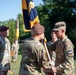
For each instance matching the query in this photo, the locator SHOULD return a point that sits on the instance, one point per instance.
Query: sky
(11, 8)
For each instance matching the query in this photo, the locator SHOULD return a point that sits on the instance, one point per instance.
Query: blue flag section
(30, 16)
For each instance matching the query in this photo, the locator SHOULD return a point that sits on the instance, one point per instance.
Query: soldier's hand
(54, 69)
(51, 63)
(47, 70)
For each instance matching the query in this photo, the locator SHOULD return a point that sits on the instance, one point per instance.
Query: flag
(30, 16)
(70, 52)
(17, 29)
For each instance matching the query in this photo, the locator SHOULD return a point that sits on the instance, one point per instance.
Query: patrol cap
(37, 28)
(59, 26)
(52, 30)
(3, 28)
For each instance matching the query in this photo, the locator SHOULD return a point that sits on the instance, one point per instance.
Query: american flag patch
(70, 51)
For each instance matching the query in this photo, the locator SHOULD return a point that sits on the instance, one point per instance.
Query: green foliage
(11, 24)
(53, 11)
(23, 35)
(12, 28)
(57, 10)
(49, 13)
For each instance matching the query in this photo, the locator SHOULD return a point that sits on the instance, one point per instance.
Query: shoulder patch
(70, 52)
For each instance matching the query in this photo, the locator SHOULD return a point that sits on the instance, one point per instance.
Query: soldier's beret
(3, 28)
(39, 29)
(59, 25)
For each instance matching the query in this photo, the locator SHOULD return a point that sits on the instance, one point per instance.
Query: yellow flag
(17, 29)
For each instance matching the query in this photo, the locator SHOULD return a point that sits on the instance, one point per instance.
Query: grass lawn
(16, 65)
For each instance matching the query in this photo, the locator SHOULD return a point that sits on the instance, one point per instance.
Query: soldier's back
(30, 57)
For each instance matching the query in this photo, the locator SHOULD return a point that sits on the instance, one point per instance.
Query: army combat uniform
(15, 47)
(33, 58)
(4, 55)
(52, 56)
(64, 61)
(52, 53)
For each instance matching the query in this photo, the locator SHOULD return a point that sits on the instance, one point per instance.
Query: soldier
(33, 53)
(49, 43)
(4, 50)
(52, 53)
(15, 47)
(64, 62)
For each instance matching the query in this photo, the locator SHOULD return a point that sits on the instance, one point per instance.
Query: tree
(11, 24)
(58, 10)
(52, 11)
(23, 35)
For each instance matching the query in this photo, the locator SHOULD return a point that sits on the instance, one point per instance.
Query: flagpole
(48, 55)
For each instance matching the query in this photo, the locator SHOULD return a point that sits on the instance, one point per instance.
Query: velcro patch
(70, 52)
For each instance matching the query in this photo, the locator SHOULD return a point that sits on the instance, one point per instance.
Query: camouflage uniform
(4, 55)
(15, 47)
(64, 62)
(33, 58)
(52, 53)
